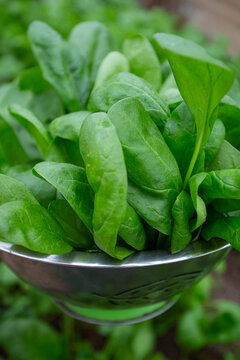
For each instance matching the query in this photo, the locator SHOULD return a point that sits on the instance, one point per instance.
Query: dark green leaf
(89, 43)
(142, 59)
(150, 164)
(71, 182)
(37, 130)
(112, 64)
(124, 85)
(30, 225)
(105, 168)
(77, 234)
(68, 126)
(48, 48)
(182, 211)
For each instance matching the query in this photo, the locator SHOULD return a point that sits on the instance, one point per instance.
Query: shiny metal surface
(96, 281)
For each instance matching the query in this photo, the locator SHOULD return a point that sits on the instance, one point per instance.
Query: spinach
(68, 126)
(125, 85)
(89, 43)
(142, 59)
(195, 71)
(28, 120)
(77, 233)
(71, 182)
(24, 222)
(49, 49)
(149, 162)
(112, 64)
(131, 161)
(106, 172)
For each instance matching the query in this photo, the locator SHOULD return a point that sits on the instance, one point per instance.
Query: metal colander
(98, 289)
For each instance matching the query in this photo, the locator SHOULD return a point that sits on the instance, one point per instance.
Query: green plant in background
(122, 17)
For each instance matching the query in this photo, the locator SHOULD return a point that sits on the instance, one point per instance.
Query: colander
(95, 288)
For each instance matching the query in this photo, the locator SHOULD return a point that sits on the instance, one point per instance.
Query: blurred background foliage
(31, 327)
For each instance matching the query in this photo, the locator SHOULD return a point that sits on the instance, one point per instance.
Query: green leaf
(89, 43)
(229, 113)
(143, 59)
(68, 126)
(37, 130)
(71, 182)
(215, 141)
(182, 211)
(132, 231)
(42, 191)
(32, 79)
(12, 189)
(34, 340)
(172, 98)
(198, 203)
(30, 225)
(105, 168)
(112, 64)
(228, 157)
(197, 73)
(180, 136)
(150, 164)
(49, 50)
(64, 151)
(124, 85)
(226, 228)
(77, 234)
(11, 147)
(221, 184)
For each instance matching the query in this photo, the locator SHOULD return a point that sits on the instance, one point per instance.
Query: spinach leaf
(64, 151)
(103, 157)
(142, 59)
(32, 79)
(16, 138)
(11, 147)
(180, 136)
(24, 222)
(71, 182)
(38, 131)
(42, 191)
(77, 234)
(49, 49)
(198, 203)
(12, 190)
(132, 231)
(182, 211)
(30, 225)
(112, 64)
(150, 164)
(229, 113)
(89, 43)
(68, 126)
(226, 228)
(221, 184)
(172, 98)
(228, 157)
(214, 142)
(124, 85)
(197, 73)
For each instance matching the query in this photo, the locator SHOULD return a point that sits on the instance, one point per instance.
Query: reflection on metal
(96, 282)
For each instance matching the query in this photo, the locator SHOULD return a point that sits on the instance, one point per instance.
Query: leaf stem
(193, 160)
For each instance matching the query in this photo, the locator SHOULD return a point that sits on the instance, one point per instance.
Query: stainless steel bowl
(98, 289)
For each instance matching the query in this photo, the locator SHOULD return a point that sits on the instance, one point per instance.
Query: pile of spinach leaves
(118, 151)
